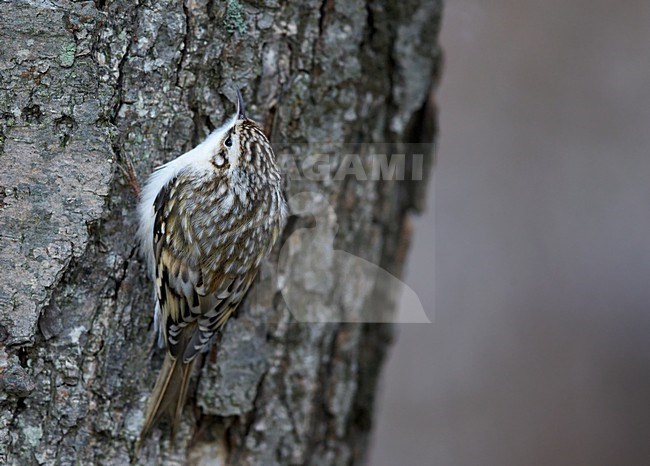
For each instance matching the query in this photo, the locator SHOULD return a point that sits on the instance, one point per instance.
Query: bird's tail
(168, 395)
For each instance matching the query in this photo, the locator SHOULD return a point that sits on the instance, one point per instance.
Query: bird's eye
(228, 142)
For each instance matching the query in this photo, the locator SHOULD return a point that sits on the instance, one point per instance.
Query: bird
(207, 220)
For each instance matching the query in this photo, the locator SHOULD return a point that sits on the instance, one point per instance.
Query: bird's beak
(241, 112)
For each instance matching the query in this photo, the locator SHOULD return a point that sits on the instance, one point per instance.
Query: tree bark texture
(93, 96)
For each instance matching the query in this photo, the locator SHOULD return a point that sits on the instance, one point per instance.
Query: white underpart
(197, 159)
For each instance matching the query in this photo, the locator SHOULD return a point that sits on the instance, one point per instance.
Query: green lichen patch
(66, 56)
(235, 19)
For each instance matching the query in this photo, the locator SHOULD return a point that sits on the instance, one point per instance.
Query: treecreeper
(207, 219)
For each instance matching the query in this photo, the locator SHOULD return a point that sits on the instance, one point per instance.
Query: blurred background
(539, 353)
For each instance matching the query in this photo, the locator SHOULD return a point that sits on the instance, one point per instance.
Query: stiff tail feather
(168, 395)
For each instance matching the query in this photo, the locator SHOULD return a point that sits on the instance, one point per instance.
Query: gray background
(540, 349)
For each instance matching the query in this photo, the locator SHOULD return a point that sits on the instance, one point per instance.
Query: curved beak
(241, 111)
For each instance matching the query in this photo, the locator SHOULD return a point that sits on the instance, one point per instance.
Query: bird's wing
(194, 301)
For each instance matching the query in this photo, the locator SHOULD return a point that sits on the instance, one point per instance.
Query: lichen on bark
(88, 88)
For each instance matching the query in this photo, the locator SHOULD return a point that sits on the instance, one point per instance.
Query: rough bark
(86, 89)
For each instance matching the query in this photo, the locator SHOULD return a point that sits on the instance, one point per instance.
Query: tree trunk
(93, 96)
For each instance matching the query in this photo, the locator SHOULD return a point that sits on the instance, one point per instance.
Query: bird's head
(243, 150)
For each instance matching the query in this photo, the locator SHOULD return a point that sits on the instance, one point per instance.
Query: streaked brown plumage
(207, 220)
